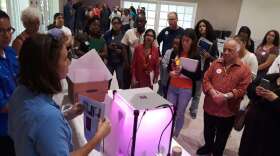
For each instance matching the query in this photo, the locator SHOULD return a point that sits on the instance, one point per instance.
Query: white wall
(222, 14)
(260, 16)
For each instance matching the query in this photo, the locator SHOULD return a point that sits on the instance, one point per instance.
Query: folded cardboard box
(88, 76)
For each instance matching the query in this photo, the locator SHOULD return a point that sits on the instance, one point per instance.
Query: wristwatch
(226, 96)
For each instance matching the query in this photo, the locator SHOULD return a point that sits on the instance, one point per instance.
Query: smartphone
(265, 84)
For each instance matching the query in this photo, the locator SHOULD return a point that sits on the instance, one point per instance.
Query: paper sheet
(94, 111)
(88, 68)
(189, 64)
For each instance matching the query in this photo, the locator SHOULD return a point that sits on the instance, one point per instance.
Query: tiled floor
(191, 137)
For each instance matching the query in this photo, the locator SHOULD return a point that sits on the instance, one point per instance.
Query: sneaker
(204, 150)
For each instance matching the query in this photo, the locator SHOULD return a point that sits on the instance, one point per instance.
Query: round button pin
(219, 71)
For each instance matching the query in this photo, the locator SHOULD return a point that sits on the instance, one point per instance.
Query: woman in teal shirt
(35, 122)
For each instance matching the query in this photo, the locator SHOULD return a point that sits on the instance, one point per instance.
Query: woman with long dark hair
(145, 64)
(267, 52)
(204, 29)
(245, 32)
(182, 81)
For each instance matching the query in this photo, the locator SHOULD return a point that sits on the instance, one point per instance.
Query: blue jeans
(180, 98)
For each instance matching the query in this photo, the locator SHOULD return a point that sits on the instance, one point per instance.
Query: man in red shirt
(224, 85)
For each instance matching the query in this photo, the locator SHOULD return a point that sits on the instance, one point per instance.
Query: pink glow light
(119, 142)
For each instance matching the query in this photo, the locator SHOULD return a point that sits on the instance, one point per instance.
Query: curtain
(14, 8)
(3, 5)
(53, 8)
(47, 8)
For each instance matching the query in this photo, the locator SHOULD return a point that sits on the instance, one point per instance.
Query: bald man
(224, 85)
(167, 35)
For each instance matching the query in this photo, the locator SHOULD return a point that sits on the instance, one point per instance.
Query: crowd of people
(31, 70)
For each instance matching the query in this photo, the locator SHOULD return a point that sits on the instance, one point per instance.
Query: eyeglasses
(10, 30)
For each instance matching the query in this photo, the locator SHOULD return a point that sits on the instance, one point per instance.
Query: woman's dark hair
(245, 29)
(38, 59)
(90, 21)
(4, 15)
(116, 18)
(150, 30)
(51, 26)
(189, 32)
(177, 37)
(180, 46)
(210, 34)
(275, 41)
(56, 15)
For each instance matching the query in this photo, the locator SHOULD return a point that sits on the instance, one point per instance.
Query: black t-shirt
(167, 36)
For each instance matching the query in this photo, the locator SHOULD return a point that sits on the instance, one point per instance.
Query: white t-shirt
(66, 31)
(251, 60)
(125, 19)
(131, 39)
(275, 67)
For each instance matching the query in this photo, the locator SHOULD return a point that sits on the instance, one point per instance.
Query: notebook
(189, 64)
(204, 44)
